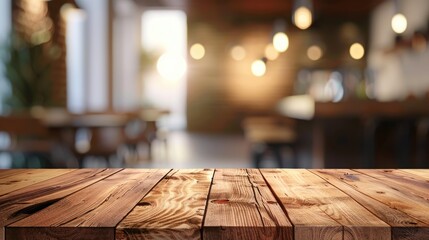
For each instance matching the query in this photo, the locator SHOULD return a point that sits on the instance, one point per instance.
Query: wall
(398, 73)
(222, 91)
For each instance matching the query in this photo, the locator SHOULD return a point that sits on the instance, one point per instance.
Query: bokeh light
(197, 51)
(258, 68)
(271, 53)
(399, 23)
(171, 67)
(302, 18)
(238, 53)
(281, 42)
(314, 52)
(357, 51)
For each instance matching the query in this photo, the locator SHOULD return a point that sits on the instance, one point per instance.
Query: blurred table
(105, 131)
(214, 204)
(370, 112)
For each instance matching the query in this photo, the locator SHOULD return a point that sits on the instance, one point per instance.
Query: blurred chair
(142, 130)
(29, 137)
(139, 135)
(269, 134)
(99, 135)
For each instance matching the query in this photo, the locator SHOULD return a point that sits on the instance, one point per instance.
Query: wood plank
(403, 181)
(14, 179)
(423, 173)
(19, 204)
(95, 210)
(403, 226)
(10, 172)
(381, 190)
(174, 209)
(241, 206)
(319, 210)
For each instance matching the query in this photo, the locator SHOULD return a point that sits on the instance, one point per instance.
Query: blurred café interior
(214, 83)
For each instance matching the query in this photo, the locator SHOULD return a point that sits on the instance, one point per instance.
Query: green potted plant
(27, 68)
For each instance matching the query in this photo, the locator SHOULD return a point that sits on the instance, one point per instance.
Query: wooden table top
(214, 204)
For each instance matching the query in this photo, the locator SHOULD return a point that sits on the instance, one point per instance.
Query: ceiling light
(302, 16)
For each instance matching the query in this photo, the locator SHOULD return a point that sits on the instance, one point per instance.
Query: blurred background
(214, 83)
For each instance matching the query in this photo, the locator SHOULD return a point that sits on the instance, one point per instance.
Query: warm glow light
(171, 67)
(298, 106)
(281, 42)
(302, 17)
(399, 23)
(258, 68)
(314, 53)
(357, 51)
(197, 51)
(270, 52)
(238, 53)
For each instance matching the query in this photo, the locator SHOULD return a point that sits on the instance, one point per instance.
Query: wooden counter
(214, 204)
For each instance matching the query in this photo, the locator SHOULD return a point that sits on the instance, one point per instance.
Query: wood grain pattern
(241, 206)
(423, 173)
(174, 209)
(11, 180)
(214, 204)
(100, 206)
(403, 226)
(319, 210)
(383, 191)
(21, 203)
(11, 172)
(403, 181)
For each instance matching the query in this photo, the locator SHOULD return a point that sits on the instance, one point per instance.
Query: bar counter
(214, 204)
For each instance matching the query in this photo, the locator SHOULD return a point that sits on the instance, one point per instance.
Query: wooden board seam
(143, 197)
(279, 202)
(398, 209)
(391, 227)
(207, 204)
(56, 200)
(342, 225)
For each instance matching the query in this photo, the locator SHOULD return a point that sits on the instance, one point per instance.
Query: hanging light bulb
(259, 68)
(399, 21)
(281, 42)
(302, 16)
